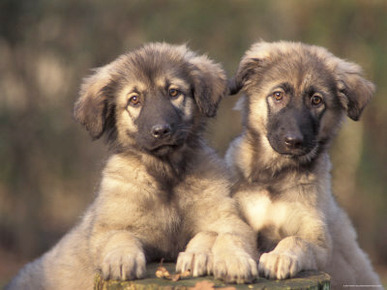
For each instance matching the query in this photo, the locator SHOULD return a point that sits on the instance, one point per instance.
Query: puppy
(163, 190)
(296, 96)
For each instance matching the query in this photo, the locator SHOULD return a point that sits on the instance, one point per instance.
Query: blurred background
(50, 168)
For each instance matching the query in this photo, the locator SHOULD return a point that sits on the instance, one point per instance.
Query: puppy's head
(296, 95)
(153, 98)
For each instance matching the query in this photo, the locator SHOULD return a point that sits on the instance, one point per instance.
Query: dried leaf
(162, 272)
(186, 273)
(175, 277)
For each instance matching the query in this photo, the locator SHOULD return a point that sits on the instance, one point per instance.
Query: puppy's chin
(165, 150)
(301, 156)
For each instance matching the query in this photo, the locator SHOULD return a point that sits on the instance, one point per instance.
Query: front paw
(123, 264)
(197, 263)
(278, 266)
(235, 268)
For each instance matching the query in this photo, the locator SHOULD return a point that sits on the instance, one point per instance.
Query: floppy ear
(354, 90)
(210, 84)
(92, 108)
(247, 67)
(252, 63)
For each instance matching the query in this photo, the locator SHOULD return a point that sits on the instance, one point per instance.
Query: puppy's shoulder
(232, 151)
(207, 160)
(124, 174)
(207, 174)
(238, 158)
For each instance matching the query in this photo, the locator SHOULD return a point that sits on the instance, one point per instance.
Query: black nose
(293, 141)
(161, 131)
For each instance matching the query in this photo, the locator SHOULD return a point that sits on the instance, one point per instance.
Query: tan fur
(299, 225)
(134, 219)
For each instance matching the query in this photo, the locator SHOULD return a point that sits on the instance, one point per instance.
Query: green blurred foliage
(49, 166)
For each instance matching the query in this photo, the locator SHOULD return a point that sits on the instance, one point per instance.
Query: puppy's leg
(291, 255)
(120, 256)
(197, 256)
(233, 259)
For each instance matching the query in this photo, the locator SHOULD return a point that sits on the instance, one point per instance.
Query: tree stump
(304, 280)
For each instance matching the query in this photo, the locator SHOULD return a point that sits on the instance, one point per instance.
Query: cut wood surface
(305, 280)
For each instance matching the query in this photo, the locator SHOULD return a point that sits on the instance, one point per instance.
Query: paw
(235, 268)
(123, 264)
(278, 266)
(198, 263)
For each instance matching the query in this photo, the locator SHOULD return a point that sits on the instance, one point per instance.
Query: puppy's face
(155, 112)
(152, 99)
(296, 95)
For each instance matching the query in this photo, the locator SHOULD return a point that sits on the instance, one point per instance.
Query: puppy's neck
(170, 170)
(167, 170)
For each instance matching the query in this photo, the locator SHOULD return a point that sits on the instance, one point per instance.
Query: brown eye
(173, 93)
(316, 101)
(278, 96)
(134, 100)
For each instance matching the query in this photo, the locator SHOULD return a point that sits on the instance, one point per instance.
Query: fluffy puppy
(163, 190)
(295, 97)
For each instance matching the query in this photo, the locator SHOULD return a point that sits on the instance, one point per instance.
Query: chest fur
(276, 218)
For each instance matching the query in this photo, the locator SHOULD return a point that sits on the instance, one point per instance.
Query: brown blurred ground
(49, 166)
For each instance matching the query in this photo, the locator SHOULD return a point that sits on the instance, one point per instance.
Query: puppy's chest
(274, 218)
(256, 209)
(162, 215)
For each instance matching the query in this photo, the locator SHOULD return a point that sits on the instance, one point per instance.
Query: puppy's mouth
(162, 147)
(296, 153)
